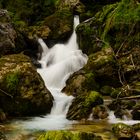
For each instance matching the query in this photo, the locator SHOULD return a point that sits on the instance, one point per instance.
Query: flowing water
(58, 63)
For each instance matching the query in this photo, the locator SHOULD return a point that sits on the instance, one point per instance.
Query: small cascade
(44, 47)
(58, 63)
(112, 119)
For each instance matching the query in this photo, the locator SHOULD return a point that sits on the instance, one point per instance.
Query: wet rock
(99, 112)
(74, 84)
(68, 135)
(106, 90)
(23, 91)
(82, 105)
(122, 104)
(136, 126)
(2, 136)
(103, 64)
(79, 82)
(136, 112)
(2, 116)
(123, 131)
(121, 108)
(122, 113)
(7, 34)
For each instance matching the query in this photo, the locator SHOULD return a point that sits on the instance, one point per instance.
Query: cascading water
(57, 64)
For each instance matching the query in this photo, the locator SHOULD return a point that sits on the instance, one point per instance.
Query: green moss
(90, 83)
(60, 24)
(121, 23)
(115, 25)
(106, 90)
(122, 130)
(29, 11)
(82, 105)
(93, 99)
(68, 135)
(12, 81)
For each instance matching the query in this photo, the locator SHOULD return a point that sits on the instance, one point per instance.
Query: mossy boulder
(106, 90)
(22, 90)
(2, 116)
(60, 24)
(75, 5)
(100, 112)
(56, 27)
(68, 135)
(7, 34)
(105, 29)
(136, 112)
(136, 126)
(79, 82)
(93, 6)
(2, 136)
(28, 12)
(121, 108)
(104, 66)
(82, 105)
(123, 131)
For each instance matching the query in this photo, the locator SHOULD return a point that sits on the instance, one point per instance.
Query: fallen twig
(6, 93)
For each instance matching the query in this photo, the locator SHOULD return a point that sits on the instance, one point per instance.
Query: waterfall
(58, 63)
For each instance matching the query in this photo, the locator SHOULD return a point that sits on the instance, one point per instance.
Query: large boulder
(54, 28)
(28, 12)
(79, 82)
(7, 34)
(58, 26)
(123, 131)
(22, 90)
(82, 105)
(2, 116)
(99, 112)
(136, 112)
(2, 136)
(68, 135)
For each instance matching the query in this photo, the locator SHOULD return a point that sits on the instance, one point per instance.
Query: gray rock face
(7, 34)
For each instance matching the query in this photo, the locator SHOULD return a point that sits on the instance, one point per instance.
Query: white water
(112, 119)
(57, 64)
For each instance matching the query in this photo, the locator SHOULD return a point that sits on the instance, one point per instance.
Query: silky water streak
(58, 63)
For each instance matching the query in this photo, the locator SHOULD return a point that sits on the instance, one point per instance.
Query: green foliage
(121, 23)
(29, 11)
(12, 81)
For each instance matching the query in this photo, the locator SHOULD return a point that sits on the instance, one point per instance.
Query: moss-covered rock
(99, 112)
(93, 6)
(136, 112)
(68, 135)
(79, 82)
(121, 108)
(60, 24)
(104, 66)
(136, 126)
(106, 90)
(82, 105)
(123, 131)
(22, 90)
(2, 136)
(2, 116)
(29, 11)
